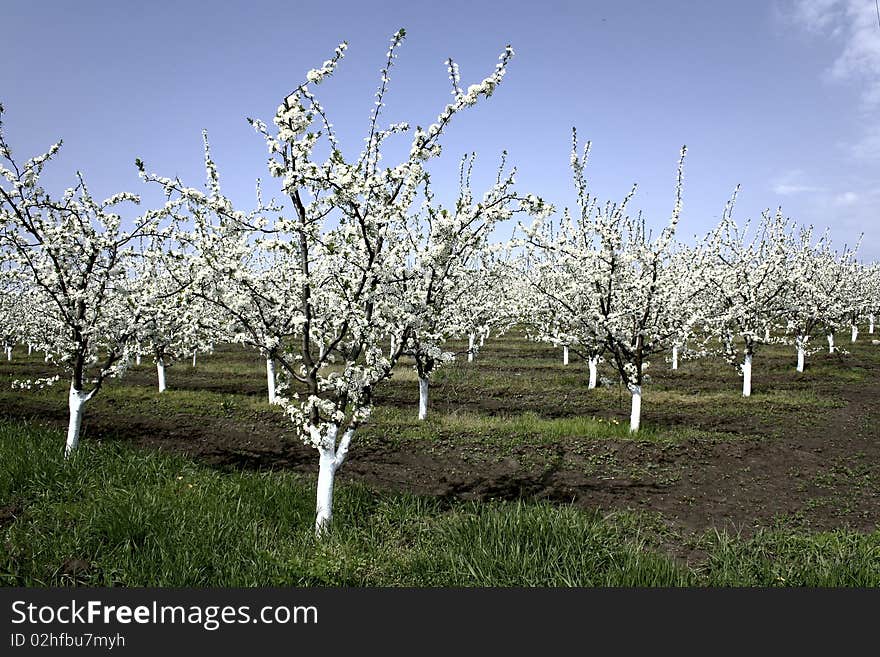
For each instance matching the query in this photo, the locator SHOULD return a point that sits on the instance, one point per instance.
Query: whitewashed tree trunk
(830, 343)
(482, 339)
(855, 332)
(870, 323)
(270, 379)
(331, 458)
(324, 501)
(393, 345)
(31, 348)
(565, 354)
(76, 402)
(594, 372)
(635, 416)
(195, 353)
(423, 398)
(747, 375)
(767, 334)
(801, 352)
(9, 352)
(471, 348)
(160, 370)
(137, 359)
(675, 356)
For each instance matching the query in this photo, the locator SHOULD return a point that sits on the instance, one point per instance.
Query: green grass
(146, 518)
(467, 428)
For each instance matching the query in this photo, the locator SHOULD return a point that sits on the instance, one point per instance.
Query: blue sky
(781, 97)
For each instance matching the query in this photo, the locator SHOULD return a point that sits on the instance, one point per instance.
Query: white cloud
(791, 182)
(854, 24)
(815, 15)
(847, 198)
(788, 190)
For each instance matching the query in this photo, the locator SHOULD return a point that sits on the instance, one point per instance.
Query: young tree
(748, 281)
(448, 283)
(348, 239)
(173, 322)
(76, 259)
(813, 299)
(561, 306)
(622, 283)
(236, 268)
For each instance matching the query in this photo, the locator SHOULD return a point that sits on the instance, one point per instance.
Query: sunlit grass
(116, 516)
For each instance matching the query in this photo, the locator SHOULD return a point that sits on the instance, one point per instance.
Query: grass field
(520, 476)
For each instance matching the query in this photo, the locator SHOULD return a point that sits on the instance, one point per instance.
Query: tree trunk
(675, 356)
(160, 369)
(767, 334)
(9, 352)
(326, 475)
(270, 379)
(870, 323)
(593, 363)
(635, 416)
(137, 359)
(195, 352)
(565, 354)
(330, 459)
(423, 397)
(31, 348)
(471, 348)
(747, 375)
(801, 356)
(76, 402)
(855, 332)
(830, 343)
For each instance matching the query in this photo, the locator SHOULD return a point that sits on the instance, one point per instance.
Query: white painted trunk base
(471, 348)
(8, 352)
(635, 416)
(423, 398)
(565, 355)
(160, 370)
(594, 372)
(870, 323)
(801, 357)
(324, 498)
(747, 375)
(76, 402)
(675, 357)
(137, 359)
(31, 349)
(195, 353)
(270, 380)
(855, 332)
(830, 343)
(331, 458)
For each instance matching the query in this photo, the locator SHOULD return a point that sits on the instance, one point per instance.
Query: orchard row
(361, 265)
